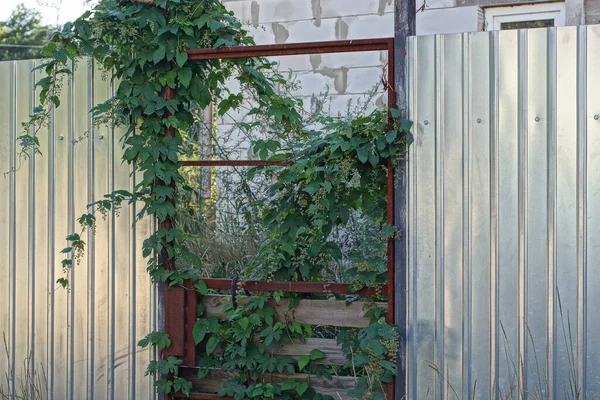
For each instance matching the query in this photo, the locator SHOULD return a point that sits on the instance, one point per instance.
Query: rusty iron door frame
(180, 303)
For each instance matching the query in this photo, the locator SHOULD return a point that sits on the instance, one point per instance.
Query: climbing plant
(337, 170)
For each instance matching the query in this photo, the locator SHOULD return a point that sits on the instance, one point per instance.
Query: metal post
(404, 26)
(174, 296)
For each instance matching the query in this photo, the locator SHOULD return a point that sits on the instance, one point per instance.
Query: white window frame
(496, 16)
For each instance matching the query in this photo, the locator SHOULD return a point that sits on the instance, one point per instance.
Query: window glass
(544, 23)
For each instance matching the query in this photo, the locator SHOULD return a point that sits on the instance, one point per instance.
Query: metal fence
(504, 247)
(81, 343)
(504, 211)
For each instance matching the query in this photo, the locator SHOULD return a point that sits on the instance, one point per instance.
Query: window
(523, 17)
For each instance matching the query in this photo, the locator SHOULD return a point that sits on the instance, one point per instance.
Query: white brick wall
(345, 76)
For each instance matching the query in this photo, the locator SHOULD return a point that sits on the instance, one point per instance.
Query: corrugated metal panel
(84, 342)
(503, 195)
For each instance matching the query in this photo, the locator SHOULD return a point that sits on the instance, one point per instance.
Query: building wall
(455, 16)
(592, 12)
(343, 79)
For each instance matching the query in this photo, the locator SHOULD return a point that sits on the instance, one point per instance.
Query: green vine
(338, 170)
(338, 173)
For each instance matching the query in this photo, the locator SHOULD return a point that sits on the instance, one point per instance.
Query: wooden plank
(338, 387)
(333, 352)
(291, 287)
(312, 312)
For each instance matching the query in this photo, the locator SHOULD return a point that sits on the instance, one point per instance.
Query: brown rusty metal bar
(338, 46)
(234, 163)
(293, 287)
(174, 297)
(174, 300)
(191, 313)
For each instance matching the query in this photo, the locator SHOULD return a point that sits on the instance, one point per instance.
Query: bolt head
(101, 137)
(537, 119)
(425, 122)
(61, 137)
(596, 117)
(478, 120)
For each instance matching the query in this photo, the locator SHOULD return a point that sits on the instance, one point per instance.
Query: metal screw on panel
(596, 117)
(101, 137)
(61, 137)
(478, 120)
(537, 119)
(425, 122)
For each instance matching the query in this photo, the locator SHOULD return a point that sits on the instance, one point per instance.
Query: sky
(68, 10)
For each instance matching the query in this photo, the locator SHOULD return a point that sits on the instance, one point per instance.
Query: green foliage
(22, 35)
(159, 339)
(165, 370)
(110, 33)
(336, 182)
(372, 353)
(339, 172)
(244, 342)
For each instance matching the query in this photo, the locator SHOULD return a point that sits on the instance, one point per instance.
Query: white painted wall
(449, 20)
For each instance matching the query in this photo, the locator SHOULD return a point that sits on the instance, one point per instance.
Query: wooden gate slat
(333, 352)
(312, 312)
(338, 387)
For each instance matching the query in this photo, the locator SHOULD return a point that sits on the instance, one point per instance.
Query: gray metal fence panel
(503, 211)
(82, 343)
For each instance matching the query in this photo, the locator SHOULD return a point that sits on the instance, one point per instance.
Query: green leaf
(181, 58)
(200, 93)
(373, 159)
(257, 391)
(185, 76)
(212, 344)
(199, 331)
(363, 154)
(391, 136)
(159, 54)
(361, 360)
(406, 125)
(301, 388)
(288, 248)
(289, 384)
(395, 113)
(201, 287)
(73, 237)
(213, 325)
(303, 362)
(244, 322)
(64, 282)
(316, 354)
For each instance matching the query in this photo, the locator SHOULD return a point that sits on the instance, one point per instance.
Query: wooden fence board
(312, 312)
(338, 387)
(333, 352)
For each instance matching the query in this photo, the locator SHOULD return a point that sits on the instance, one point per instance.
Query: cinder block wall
(345, 77)
(288, 21)
(592, 12)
